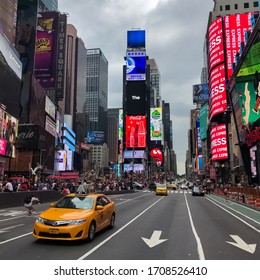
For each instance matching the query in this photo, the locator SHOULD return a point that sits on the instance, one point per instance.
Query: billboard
(8, 133)
(135, 39)
(135, 98)
(235, 27)
(134, 154)
(218, 95)
(135, 132)
(200, 93)
(46, 49)
(95, 137)
(135, 66)
(218, 139)
(120, 124)
(135, 167)
(10, 78)
(156, 128)
(203, 121)
(215, 43)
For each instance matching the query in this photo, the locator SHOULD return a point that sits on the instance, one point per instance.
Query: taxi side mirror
(99, 207)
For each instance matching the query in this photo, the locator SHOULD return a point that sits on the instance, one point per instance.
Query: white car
(184, 187)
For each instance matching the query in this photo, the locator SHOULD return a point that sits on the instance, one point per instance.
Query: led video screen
(135, 66)
(135, 98)
(218, 139)
(135, 39)
(135, 132)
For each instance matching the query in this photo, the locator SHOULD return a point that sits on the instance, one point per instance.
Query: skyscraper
(96, 91)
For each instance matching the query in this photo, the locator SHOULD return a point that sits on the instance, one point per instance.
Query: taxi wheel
(112, 221)
(91, 231)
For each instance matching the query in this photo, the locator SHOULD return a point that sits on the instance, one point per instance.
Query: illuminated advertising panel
(218, 96)
(135, 66)
(218, 139)
(135, 39)
(120, 124)
(2, 147)
(46, 48)
(135, 98)
(135, 132)
(200, 93)
(156, 128)
(253, 161)
(215, 40)
(235, 27)
(60, 160)
(203, 121)
(134, 154)
(249, 100)
(8, 133)
(95, 137)
(135, 167)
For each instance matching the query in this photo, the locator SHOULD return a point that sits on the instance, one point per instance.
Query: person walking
(29, 201)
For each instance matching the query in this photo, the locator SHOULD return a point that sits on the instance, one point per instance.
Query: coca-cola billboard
(135, 132)
(218, 140)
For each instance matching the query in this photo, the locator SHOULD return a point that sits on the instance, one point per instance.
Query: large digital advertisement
(135, 98)
(135, 66)
(218, 95)
(135, 39)
(235, 27)
(135, 132)
(46, 48)
(156, 128)
(218, 139)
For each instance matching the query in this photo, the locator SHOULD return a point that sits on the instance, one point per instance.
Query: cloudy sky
(175, 31)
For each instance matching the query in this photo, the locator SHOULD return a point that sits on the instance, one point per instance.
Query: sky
(175, 32)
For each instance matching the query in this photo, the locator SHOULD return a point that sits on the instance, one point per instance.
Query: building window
(221, 8)
(255, 4)
(246, 5)
(227, 7)
(236, 6)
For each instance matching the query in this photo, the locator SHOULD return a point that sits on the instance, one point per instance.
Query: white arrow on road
(240, 243)
(154, 239)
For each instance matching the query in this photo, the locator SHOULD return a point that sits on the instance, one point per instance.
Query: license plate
(53, 231)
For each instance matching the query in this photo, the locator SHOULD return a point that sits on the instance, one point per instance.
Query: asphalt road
(148, 227)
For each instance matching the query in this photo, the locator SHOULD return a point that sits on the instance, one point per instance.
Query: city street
(148, 227)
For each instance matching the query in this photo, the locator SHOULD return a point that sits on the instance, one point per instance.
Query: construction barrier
(251, 200)
(257, 202)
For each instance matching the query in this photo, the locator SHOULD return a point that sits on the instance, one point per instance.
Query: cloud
(175, 31)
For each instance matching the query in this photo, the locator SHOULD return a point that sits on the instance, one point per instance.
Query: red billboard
(218, 95)
(235, 27)
(135, 132)
(215, 40)
(218, 139)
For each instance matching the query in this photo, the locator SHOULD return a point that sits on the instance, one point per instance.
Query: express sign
(219, 147)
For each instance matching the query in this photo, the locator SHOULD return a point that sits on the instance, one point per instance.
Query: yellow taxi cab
(172, 186)
(161, 189)
(74, 217)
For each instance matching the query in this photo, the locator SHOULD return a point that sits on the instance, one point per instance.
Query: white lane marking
(241, 205)
(199, 245)
(115, 233)
(243, 221)
(17, 237)
(2, 230)
(132, 199)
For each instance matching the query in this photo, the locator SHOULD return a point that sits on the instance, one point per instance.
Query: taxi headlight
(40, 220)
(76, 222)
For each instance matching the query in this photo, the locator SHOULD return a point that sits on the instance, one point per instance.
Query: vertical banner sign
(156, 124)
(218, 139)
(216, 46)
(46, 49)
(218, 95)
(62, 23)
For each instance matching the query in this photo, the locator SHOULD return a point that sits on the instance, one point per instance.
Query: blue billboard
(135, 39)
(136, 66)
(95, 137)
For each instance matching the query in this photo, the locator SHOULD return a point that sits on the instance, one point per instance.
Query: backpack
(28, 199)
